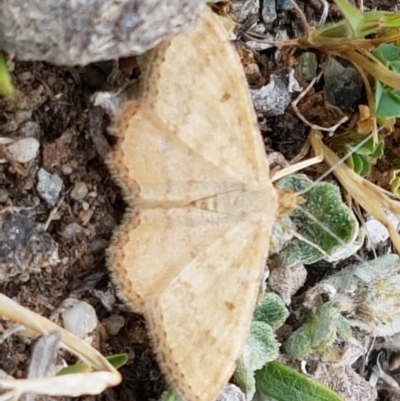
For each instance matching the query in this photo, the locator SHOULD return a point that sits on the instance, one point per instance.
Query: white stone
(81, 319)
(24, 150)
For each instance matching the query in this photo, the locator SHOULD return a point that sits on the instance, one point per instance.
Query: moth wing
(154, 246)
(154, 164)
(200, 322)
(196, 85)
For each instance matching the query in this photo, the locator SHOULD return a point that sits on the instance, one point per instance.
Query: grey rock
(79, 32)
(79, 191)
(49, 186)
(308, 66)
(66, 169)
(72, 230)
(268, 11)
(284, 5)
(25, 247)
(3, 195)
(343, 85)
(24, 150)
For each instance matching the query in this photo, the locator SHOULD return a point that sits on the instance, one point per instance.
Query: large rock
(79, 32)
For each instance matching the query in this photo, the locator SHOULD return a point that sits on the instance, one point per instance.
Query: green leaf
(389, 103)
(169, 395)
(386, 53)
(6, 86)
(271, 310)
(116, 360)
(375, 285)
(359, 164)
(261, 347)
(298, 344)
(283, 383)
(392, 19)
(395, 186)
(367, 148)
(363, 156)
(378, 93)
(80, 367)
(344, 328)
(318, 333)
(323, 213)
(352, 14)
(323, 326)
(378, 152)
(330, 33)
(350, 162)
(366, 167)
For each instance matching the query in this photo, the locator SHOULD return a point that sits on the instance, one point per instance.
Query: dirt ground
(54, 107)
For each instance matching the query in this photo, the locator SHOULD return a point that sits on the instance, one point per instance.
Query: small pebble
(24, 150)
(49, 186)
(11, 126)
(114, 324)
(92, 194)
(81, 319)
(268, 11)
(72, 230)
(79, 191)
(22, 116)
(25, 76)
(30, 129)
(284, 5)
(56, 216)
(66, 169)
(98, 245)
(308, 66)
(3, 195)
(231, 393)
(343, 85)
(376, 232)
(109, 221)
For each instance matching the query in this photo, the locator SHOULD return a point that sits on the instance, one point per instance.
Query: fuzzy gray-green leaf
(323, 220)
(261, 347)
(271, 310)
(298, 344)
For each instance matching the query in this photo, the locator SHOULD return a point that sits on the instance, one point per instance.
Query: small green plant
(6, 86)
(282, 383)
(375, 288)
(258, 369)
(319, 332)
(387, 98)
(261, 346)
(321, 227)
(395, 182)
(364, 157)
(365, 295)
(348, 39)
(117, 361)
(369, 196)
(365, 40)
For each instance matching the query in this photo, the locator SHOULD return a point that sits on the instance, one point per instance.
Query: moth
(191, 252)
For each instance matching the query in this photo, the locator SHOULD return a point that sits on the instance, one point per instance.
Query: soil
(54, 107)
